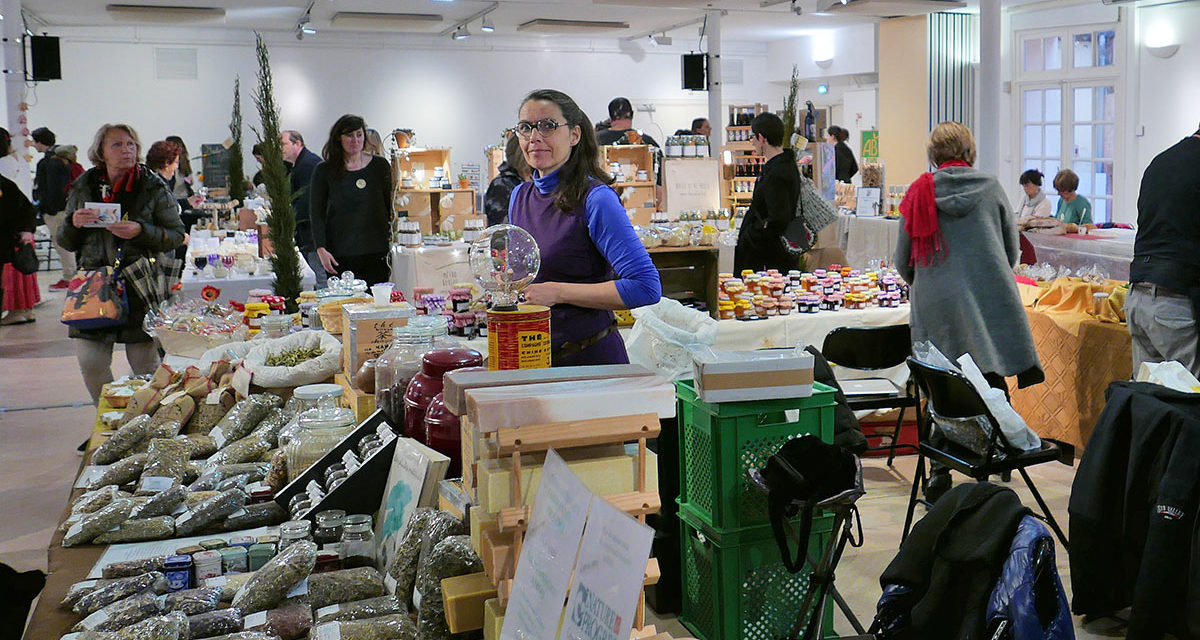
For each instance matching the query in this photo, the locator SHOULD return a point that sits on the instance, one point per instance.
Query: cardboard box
(367, 331)
(737, 376)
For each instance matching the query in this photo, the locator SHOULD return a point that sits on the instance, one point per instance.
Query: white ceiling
(745, 20)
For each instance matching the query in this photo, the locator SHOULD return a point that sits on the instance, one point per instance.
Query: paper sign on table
(608, 575)
(548, 556)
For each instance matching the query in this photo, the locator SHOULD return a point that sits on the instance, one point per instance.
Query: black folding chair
(875, 349)
(950, 395)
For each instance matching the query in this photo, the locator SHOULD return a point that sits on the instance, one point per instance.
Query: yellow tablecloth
(1081, 356)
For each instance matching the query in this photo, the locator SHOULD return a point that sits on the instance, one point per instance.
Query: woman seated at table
(1034, 203)
(1072, 207)
(592, 261)
(957, 247)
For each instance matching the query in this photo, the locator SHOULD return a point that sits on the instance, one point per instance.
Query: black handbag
(803, 472)
(25, 259)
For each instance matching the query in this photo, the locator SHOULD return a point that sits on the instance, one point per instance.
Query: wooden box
(362, 404)
(688, 273)
(367, 331)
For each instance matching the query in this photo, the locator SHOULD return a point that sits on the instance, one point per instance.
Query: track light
(304, 27)
(461, 33)
(486, 26)
(663, 39)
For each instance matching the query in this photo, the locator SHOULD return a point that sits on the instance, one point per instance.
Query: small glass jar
(294, 531)
(275, 325)
(329, 527)
(358, 542)
(321, 429)
(327, 561)
(308, 395)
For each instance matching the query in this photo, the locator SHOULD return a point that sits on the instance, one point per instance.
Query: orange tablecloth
(1080, 356)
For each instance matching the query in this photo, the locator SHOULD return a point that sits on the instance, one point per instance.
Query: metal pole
(715, 84)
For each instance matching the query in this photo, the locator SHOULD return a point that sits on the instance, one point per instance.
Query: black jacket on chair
(945, 571)
(1134, 535)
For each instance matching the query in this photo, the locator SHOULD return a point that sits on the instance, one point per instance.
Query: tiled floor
(45, 413)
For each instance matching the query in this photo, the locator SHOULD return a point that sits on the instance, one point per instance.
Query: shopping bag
(95, 300)
(25, 259)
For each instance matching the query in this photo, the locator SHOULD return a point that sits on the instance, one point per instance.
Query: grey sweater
(968, 302)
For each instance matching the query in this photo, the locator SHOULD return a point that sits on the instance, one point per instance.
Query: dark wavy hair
(839, 133)
(185, 163)
(5, 142)
(335, 157)
(161, 154)
(1031, 176)
(585, 162)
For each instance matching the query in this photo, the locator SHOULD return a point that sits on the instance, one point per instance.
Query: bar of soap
(604, 469)
(493, 619)
(457, 383)
(520, 405)
(464, 597)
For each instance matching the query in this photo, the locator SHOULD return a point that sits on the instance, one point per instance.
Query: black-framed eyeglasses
(545, 127)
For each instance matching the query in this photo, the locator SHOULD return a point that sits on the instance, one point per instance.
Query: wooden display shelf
(425, 206)
(632, 184)
(688, 273)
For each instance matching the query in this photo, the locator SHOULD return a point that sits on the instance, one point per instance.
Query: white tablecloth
(1112, 249)
(238, 287)
(866, 239)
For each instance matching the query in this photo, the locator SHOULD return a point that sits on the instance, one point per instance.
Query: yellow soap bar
(464, 597)
(481, 521)
(493, 619)
(605, 470)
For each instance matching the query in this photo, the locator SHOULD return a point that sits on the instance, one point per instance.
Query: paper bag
(1170, 374)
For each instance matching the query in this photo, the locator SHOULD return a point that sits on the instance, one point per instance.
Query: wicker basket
(331, 313)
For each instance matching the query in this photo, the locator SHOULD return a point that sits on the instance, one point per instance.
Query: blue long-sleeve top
(608, 226)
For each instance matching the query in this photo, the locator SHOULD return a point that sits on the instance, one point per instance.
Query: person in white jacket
(1034, 204)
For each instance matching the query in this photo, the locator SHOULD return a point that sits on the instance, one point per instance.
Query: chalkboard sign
(216, 165)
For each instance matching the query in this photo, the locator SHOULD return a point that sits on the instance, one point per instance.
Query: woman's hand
(127, 230)
(194, 201)
(546, 294)
(83, 217)
(327, 260)
(25, 237)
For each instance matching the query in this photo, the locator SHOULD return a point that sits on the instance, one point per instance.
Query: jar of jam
(327, 561)
(428, 383)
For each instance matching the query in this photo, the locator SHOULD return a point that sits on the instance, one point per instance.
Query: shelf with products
(737, 130)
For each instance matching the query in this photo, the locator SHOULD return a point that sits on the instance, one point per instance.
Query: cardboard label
(329, 631)
(334, 608)
(255, 620)
(156, 483)
(749, 379)
(218, 436)
(94, 620)
(74, 530)
(301, 589)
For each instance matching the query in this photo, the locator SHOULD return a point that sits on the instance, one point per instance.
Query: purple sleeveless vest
(569, 255)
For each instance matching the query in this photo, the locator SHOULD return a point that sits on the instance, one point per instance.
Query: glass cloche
(505, 259)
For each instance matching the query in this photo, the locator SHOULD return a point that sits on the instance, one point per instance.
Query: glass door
(1042, 133)
(1093, 135)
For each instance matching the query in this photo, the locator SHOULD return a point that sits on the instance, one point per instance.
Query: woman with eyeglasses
(592, 261)
(350, 204)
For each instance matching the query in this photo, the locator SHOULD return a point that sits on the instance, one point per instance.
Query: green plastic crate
(735, 585)
(719, 442)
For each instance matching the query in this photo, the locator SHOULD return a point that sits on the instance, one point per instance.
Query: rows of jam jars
(771, 293)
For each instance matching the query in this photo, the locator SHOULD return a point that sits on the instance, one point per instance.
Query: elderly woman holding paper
(149, 225)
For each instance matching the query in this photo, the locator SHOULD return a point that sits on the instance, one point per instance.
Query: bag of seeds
(120, 473)
(166, 464)
(248, 449)
(211, 410)
(122, 441)
(215, 623)
(177, 407)
(394, 627)
(401, 575)
(209, 512)
(122, 613)
(119, 590)
(272, 582)
(139, 530)
(360, 609)
(277, 477)
(94, 524)
(93, 501)
(343, 585)
(126, 568)
(256, 515)
(244, 417)
(289, 623)
(449, 558)
(147, 398)
(210, 479)
(275, 421)
(193, 601)
(229, 584)
(162, 503)
(81, 589)
(166, 429)
(198, 445)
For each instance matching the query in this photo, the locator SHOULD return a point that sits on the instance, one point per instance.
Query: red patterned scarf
(125, 183)
(919, 209)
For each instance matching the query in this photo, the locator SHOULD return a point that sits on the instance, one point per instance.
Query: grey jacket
(968, 302)
(155, 208)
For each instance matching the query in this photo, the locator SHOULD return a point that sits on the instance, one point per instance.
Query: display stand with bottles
(633, 167)
(740, 165)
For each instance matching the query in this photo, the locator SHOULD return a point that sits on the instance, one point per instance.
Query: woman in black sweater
(350, 204)
(846, 166)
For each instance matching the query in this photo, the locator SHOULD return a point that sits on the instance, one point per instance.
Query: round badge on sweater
(361, 183)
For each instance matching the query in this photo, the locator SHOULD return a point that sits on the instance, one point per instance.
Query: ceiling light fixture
(663, 39)
(486, 26)
(458, 30)
(461, 33)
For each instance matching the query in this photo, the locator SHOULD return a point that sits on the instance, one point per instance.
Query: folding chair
(874, 349)
(950, 395)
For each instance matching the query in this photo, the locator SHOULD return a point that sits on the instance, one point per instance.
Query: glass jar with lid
(294, 531)
(428, 383)
(436, 327)
(358, 542)
(275, 325)
(329, 527)
(320, 430)
(396, 366)
(308, 395)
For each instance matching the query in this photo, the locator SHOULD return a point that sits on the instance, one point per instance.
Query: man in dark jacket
(1165, 272)
(773, 204)
(50, 194)
(303, 162)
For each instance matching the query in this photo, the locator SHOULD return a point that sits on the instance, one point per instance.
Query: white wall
(853, 49)
(1169, 104)
(455, 94)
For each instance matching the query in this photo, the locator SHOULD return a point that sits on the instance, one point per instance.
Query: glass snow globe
(505, 259)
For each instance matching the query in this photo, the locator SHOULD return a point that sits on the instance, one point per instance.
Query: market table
(1112, 249)
(866, 239)
(238, 287)
(1080, 354)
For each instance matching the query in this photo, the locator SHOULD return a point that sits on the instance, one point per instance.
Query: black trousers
(371, 267)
